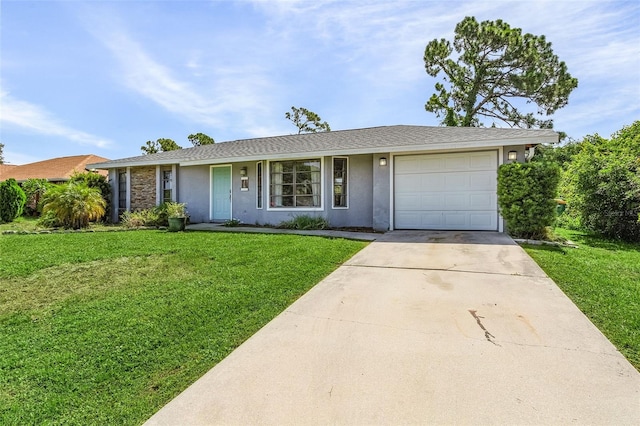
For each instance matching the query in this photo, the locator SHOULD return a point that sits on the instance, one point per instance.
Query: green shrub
(175, 209)
(156, 216)
(231, 223)
(74, 204)
(12, 200)
(526, 195)
(603, 184)
(49, 220)
(135, 219)
(305, 222)
(34, 190)
(95, 180)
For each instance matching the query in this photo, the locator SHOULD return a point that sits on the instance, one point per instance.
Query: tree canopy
(307, 121)
(496, 69)
(602, 184)
(1, 153)
(199, 139)
(160, 145)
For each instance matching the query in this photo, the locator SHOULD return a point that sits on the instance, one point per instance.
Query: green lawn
(603, 279)
(105, 328)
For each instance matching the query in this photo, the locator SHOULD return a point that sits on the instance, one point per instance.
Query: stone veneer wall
(143, 188)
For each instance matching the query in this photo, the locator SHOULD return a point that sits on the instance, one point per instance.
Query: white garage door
(446, 191)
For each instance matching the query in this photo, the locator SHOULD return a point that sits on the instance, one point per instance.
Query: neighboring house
(395, 177)
(5, 168)
(55, 170)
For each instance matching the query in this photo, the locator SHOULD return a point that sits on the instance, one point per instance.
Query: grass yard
(105, 328)
(603, 279)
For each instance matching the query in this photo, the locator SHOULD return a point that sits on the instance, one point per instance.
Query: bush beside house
(12, 200)
(73, 205)
(34, 190)
(603, 184)
(526, 195)
(100, 182)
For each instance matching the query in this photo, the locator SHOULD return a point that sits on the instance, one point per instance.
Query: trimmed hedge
(526, 195)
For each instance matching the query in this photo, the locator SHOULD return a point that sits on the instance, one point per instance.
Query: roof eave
(443, 146)
(118, 164)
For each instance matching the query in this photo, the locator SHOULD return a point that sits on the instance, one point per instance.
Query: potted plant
(177, 216)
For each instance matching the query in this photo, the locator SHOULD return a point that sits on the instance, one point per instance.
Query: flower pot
(177, 224)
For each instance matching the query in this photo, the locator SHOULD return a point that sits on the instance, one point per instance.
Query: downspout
(529, 153)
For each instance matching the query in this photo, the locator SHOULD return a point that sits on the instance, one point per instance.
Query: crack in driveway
(487, 335)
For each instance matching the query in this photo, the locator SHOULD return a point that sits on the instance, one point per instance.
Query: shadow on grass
(554, 249)
(598, 241)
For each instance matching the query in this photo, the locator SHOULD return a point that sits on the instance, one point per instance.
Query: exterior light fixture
(383, 161)
(513, 155)
(243, 171)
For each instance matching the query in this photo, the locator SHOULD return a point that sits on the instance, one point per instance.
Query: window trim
(296, 209)
(122, 192)
(333, 195)
(259, 185)
(171, 185)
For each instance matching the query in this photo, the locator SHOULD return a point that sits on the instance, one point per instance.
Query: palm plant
(74, 204)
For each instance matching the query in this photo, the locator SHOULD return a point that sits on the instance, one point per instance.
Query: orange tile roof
(54, 170)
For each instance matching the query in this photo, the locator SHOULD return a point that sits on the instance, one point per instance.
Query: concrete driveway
(422, 328)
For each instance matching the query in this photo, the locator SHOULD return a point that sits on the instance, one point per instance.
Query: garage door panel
(480, 181)
(455, 202)
(446, 191)
(483, 161)
(483, 220)
(455, 180)
(409, 202)
(482, 201)
(420, 220)
(456, 163)
(454, 220)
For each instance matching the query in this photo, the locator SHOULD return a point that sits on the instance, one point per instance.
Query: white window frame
(259, 180)
(296, 209)
(171, 185)
(346, 185)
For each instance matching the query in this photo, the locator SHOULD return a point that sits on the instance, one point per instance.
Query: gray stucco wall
(520, 153)
(360, 194)
(194, 189)
(381, 193)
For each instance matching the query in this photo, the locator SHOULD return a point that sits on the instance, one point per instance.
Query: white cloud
(198, 90)
(34, 118)
(361, 62)
(382, 44)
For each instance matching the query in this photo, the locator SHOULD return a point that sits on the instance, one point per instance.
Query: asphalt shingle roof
(55, 169)
(343, 142)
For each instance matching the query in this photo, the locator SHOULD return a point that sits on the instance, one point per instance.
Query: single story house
(54, 170)
(385, 178)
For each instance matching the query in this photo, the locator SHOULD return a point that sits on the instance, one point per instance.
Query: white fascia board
(443, 146)
(123, 164)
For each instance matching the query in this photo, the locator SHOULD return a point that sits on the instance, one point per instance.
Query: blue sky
(103, 77)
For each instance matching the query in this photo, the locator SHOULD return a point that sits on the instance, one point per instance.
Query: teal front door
(221, 193)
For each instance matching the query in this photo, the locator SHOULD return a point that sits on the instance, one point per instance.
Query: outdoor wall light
(513, 155)
(383, 161)
(243, 171)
